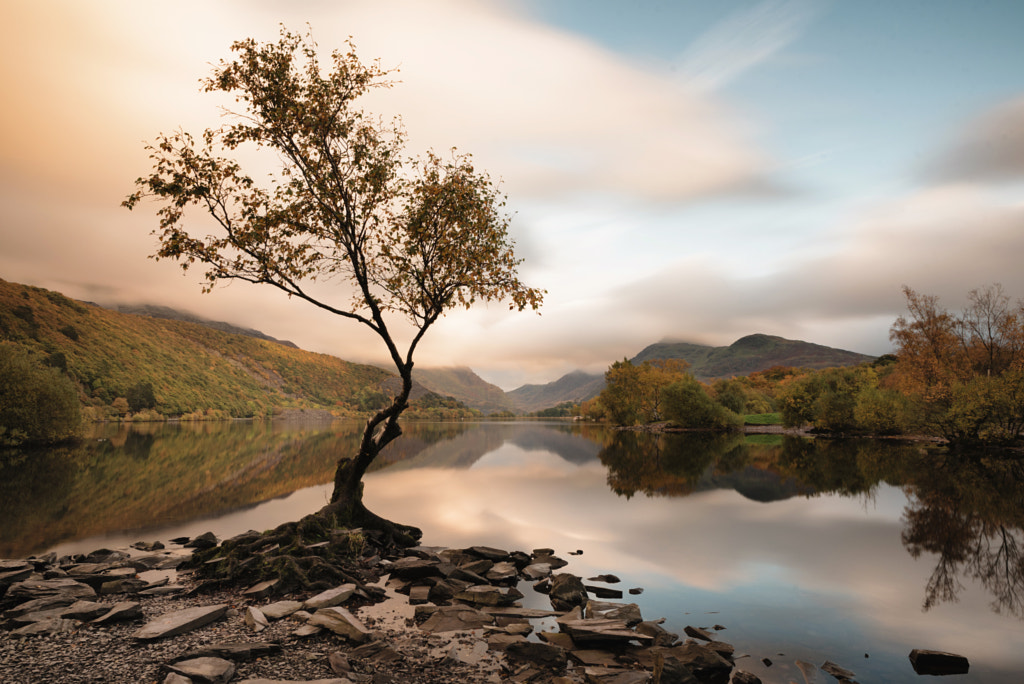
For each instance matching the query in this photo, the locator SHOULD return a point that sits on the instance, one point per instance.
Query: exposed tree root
(340, 543)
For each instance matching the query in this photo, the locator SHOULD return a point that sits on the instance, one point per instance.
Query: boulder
(938, 662)
(604, 592)
(567, 591)
(181, 621)
(204, 541)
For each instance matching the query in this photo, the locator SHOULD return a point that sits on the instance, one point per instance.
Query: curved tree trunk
(346, 504)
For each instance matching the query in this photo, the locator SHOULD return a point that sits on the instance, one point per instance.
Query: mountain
(190, 367)
(576, 387)
(175, 315)
(463, 384)
(744, 356)
(750, 354)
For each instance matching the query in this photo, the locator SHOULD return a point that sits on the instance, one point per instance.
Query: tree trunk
(346, 506)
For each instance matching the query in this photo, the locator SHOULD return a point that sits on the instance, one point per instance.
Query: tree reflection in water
(968, 510)
(970, 513)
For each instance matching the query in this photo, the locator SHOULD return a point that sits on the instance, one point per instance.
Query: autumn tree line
(954, 375)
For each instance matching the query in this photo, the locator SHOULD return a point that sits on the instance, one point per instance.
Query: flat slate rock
(330, 598)
(456, 618)
(212, 670)
(602, 631)
(119, 612)
(233, 651)
(341, 622)
(698, 633)
(281, 609)
(50, 626)
(61, 586)
(179, 622)
(296, 681)
(609, 675)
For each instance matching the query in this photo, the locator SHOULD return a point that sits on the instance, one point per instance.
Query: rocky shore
(425, 615)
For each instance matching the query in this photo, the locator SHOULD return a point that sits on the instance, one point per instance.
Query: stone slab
(330, 598)
(179, 622)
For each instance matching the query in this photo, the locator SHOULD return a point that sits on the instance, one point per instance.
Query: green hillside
(189, 368)
(751, 354)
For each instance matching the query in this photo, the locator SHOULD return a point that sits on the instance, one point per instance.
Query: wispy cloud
(743, 40)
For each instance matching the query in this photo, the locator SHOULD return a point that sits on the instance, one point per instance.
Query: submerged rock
(938, 662)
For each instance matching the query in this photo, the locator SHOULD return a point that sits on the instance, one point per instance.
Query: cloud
(943, 240)
(552, 114)
(743, 40)
(989, 149)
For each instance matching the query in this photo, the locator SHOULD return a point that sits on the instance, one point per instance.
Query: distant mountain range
(173, 355)
(744, 356)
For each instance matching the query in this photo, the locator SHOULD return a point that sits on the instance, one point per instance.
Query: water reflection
(818, 547)
(968, 513)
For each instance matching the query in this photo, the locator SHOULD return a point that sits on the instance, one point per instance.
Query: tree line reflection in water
(966, 509)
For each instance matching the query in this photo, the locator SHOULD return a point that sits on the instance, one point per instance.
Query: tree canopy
(404, 239)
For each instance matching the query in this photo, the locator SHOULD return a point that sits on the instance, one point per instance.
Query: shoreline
(401, 629)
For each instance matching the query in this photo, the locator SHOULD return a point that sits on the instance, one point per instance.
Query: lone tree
(403, 239)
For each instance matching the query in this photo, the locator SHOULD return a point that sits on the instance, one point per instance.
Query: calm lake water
(854, 552)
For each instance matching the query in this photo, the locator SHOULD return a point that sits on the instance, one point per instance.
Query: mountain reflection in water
(816, 547)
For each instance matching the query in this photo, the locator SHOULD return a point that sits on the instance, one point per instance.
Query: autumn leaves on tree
(402, 240)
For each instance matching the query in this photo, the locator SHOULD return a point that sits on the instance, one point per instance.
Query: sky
(677, 170)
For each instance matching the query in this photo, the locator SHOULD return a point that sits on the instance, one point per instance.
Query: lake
(849, 551)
